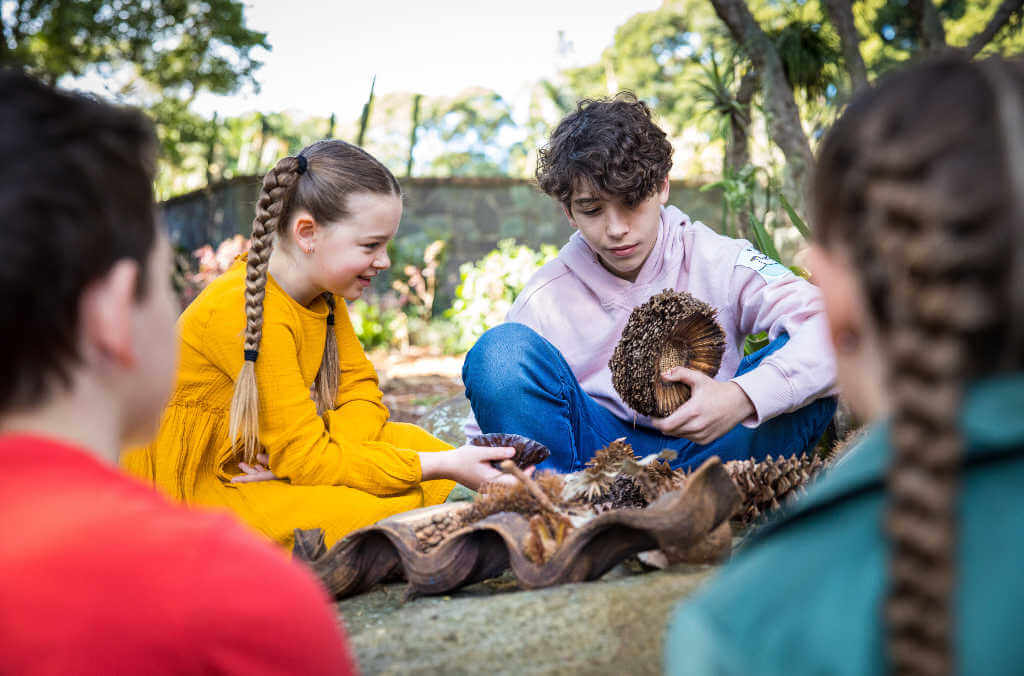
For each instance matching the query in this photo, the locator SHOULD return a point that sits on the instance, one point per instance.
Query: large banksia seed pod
(528, 451)
(765, 485)
(671, 329)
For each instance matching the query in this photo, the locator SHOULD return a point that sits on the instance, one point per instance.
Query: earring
(309, 249)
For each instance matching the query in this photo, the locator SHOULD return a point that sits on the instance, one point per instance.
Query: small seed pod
(671, 329)
(528, 451)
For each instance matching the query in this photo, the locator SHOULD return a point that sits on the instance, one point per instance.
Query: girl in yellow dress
(272, 373)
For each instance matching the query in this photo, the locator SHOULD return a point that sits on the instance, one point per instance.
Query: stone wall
(473, 214)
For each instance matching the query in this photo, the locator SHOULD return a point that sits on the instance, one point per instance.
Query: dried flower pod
(671, 329)
(517, 498)
(547, 532)
(528, 451)
(595, 480)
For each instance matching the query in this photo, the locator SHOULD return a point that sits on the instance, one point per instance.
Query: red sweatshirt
(100, 574)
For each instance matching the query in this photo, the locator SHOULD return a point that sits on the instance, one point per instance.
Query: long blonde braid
(908, 182)
(271, 209)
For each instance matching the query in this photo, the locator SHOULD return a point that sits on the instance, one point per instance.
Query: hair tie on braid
(303, 163)
(251, 355)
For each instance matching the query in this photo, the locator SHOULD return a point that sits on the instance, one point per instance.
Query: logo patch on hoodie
(769, 268)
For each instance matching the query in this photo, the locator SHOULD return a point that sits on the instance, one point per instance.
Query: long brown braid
(916, 183)
(319, 179)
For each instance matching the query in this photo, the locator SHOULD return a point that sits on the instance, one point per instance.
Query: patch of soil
(416, 381)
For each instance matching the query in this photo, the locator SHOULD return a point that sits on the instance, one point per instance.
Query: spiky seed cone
(516, 498)
(671, 329)
(765, 485)
(626, 492)
(595, 480)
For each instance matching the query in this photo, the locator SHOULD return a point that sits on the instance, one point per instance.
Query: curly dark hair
(76, 197)
(609, 145)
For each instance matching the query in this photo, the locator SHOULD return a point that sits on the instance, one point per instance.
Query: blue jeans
(518, 382)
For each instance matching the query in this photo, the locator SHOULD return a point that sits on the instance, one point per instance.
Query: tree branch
(933, 35)
(841, 14)
(781, 110)
(1006, 9)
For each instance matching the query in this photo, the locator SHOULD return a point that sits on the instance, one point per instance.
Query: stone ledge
(615, 625)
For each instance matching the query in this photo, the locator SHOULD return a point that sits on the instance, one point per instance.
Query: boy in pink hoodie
(544, 374)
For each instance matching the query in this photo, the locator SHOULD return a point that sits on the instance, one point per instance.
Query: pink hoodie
(581, 308)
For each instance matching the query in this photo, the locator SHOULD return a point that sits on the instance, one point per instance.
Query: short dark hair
(76, 196)
(610, 145)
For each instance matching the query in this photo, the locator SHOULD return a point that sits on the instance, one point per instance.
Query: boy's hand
(469, 465)
(713, 408)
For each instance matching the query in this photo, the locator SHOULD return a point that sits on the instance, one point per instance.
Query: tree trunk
(364, 121)
(737, 150)
(1006, 9)
(737, 154)
(264, 132)
(412, 135)
(780, 107)
(841, 14)
(933, 35)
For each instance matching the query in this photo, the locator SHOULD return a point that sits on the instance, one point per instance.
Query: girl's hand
(257, 472)
(713, 408)
(469, 465)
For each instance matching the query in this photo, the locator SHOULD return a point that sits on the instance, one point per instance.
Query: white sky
(324, 54)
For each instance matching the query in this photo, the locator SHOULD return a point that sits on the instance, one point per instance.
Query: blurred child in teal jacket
(906, 556)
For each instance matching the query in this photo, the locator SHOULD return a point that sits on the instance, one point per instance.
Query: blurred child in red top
(98, 573)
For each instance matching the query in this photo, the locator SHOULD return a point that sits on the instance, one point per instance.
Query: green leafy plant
(373, 325)
(488, 288)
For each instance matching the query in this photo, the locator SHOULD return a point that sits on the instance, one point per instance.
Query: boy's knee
(498, 355)
(501, 345)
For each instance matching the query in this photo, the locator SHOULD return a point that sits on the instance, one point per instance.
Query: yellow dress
(339, 472)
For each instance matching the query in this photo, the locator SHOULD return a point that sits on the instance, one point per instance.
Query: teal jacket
(805, 596)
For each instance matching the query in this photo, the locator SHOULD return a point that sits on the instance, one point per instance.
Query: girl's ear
(304, 231)
(107, 314)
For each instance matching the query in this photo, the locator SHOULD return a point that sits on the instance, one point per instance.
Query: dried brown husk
(528, 451)
(671, 329)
